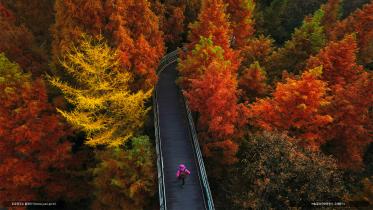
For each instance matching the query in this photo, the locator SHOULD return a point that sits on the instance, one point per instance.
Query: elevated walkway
(177, 143)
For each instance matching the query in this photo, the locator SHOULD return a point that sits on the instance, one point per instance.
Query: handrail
(202, 170)
(161, 183)
(166, 60)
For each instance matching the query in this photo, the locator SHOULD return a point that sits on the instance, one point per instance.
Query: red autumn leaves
(129, 26)
(30, 130)
(332, 107)
(208, 76)
(325, 107)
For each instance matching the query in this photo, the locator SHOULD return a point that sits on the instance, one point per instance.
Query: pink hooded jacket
(181, 169)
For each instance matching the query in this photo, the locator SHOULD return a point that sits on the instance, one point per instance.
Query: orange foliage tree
(171, 21)
(32, 148)
(37, 17)
(212, 22)
(18, 43)
(192, 8)
(129, 26)
(252, 82)
(241, 18)
(338, 60)
(332, 13)
(193, 65)
(174, 26)
(295, 108)
(306, 40)
(73, 18)
(147, 38)
(213, 94)
(252, 75)
(350, 132)
(257, 49)
(361, 23)
(208, 76)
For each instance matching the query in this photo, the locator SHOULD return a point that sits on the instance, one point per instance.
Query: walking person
(181, 173)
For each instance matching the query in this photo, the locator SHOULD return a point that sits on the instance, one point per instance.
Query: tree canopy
(104, 106)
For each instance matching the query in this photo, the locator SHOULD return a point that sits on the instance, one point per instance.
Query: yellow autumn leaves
(104, 107)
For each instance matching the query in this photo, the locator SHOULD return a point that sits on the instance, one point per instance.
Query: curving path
(176, 144)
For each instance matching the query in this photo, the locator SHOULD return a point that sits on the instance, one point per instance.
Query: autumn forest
(281, 93)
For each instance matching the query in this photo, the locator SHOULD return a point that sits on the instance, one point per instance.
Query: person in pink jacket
(182, 172)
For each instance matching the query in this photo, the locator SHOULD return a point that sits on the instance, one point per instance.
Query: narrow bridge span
(176, 142)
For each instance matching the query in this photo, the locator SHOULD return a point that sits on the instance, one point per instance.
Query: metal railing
(161, 183)
(167, 60)
(203, 176)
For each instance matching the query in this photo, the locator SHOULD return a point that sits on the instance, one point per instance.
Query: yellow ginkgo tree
(104, 107)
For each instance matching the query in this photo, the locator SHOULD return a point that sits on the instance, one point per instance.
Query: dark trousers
(182, 180)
